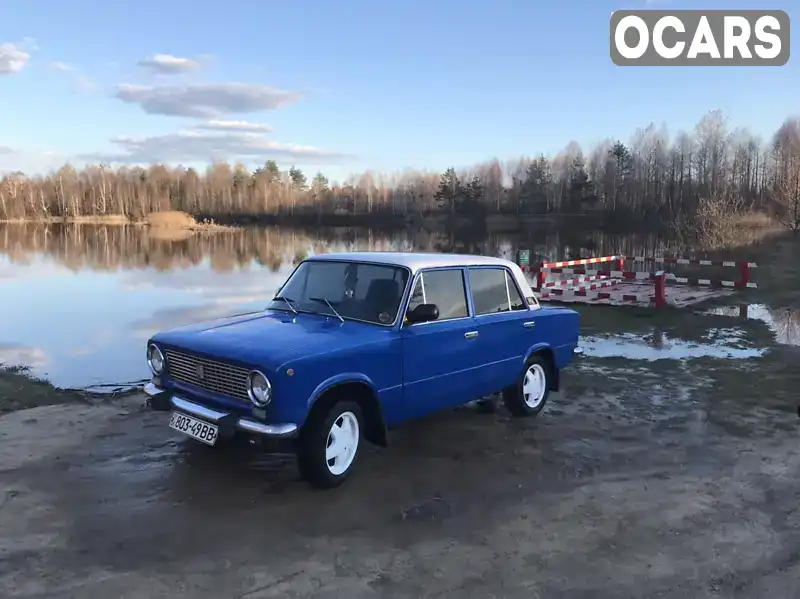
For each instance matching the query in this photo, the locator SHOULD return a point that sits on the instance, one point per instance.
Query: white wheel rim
(534, 386)
(340, 449)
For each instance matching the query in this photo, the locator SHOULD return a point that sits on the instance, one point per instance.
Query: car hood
(270, 339)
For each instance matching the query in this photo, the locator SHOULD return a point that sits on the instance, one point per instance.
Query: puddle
(659, 346)
(784, 323)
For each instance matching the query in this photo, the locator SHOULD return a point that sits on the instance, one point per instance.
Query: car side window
(494, 291)
(445, 288)
(515, 297)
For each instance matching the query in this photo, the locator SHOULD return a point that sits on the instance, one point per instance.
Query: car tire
(342, 423)
(529, 395)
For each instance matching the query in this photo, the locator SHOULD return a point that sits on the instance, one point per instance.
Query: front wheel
(329, 445)
(529, 395)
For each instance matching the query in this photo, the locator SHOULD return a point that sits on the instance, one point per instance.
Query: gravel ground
(672, 478)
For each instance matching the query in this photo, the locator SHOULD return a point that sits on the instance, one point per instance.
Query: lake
(78, 302)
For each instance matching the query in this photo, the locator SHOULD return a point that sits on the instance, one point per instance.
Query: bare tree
(654, 176)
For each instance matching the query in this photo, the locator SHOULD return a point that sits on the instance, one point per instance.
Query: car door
(505, 325)
(441, 358)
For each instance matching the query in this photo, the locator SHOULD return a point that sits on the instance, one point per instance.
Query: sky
(346, 86)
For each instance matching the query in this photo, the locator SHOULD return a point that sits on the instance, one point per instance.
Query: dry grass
(171, 219)
(719, 226)
(108, 219)
(168, 220)
(172, 223)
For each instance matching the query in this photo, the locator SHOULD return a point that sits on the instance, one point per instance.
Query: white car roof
(416, 261)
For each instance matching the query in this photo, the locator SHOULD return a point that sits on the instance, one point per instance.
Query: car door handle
(470, 335)
(530, 324)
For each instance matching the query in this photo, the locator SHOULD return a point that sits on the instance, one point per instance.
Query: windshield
(354, 290)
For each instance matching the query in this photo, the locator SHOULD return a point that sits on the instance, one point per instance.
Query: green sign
(524, 257)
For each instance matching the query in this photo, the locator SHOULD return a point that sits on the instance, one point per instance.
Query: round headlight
(155, 359)
(259, 390)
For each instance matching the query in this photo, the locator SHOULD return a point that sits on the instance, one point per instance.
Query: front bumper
(163, 400)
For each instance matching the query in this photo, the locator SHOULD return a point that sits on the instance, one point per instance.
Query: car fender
(537, 347)
(555, 383)
(340, 379)
(375, 430)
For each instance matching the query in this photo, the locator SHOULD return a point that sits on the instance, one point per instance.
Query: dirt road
(637, 481)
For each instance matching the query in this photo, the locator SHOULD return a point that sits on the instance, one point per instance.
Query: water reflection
(783, 322)
(79, 247)
(77, 302)
(660, 347)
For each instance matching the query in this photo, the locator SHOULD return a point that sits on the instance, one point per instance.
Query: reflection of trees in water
(574, 243)
(112, 247)
(784, 322)
(787, 325)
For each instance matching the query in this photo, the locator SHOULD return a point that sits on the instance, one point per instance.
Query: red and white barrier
(744, 267)
(571, 287)
(708, 282)
(615, 274)
(580, 261)
(583, 289)
(542, 268)
(575, 281)
(670, 260)
(644, 299)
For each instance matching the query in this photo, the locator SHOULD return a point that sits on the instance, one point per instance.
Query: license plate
(197, 429)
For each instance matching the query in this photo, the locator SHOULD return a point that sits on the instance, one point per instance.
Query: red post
(540, 277)
(744, 269)
(661, 289)
(621, 261)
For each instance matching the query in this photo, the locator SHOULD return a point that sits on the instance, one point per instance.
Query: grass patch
(171, 219)
(720, 225)
(20, 390)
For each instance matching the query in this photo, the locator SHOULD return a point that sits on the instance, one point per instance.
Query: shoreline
(20, 390)
(118, 220)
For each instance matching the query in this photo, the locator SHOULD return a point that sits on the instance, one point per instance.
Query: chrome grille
(211, 375)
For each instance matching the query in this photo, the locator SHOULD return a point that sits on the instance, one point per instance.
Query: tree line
(713, 169)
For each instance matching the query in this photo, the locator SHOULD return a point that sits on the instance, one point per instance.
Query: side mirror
(423, 313)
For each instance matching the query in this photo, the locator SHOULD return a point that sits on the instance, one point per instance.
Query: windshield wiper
(322, 299)
(286, 300)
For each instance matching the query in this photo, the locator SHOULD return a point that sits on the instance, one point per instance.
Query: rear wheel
(329, 445)
(529, 395)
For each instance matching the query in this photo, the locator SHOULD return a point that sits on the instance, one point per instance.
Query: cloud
(16, 355)
(235, 126)
(30, 44)
(205, 100)
(30, 161)
(202, 145)
(61, 66)
(85, 84)
(166, 64)
(12, 59)
(6, 150)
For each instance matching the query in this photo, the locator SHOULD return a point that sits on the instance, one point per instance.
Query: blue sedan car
(356, 343)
